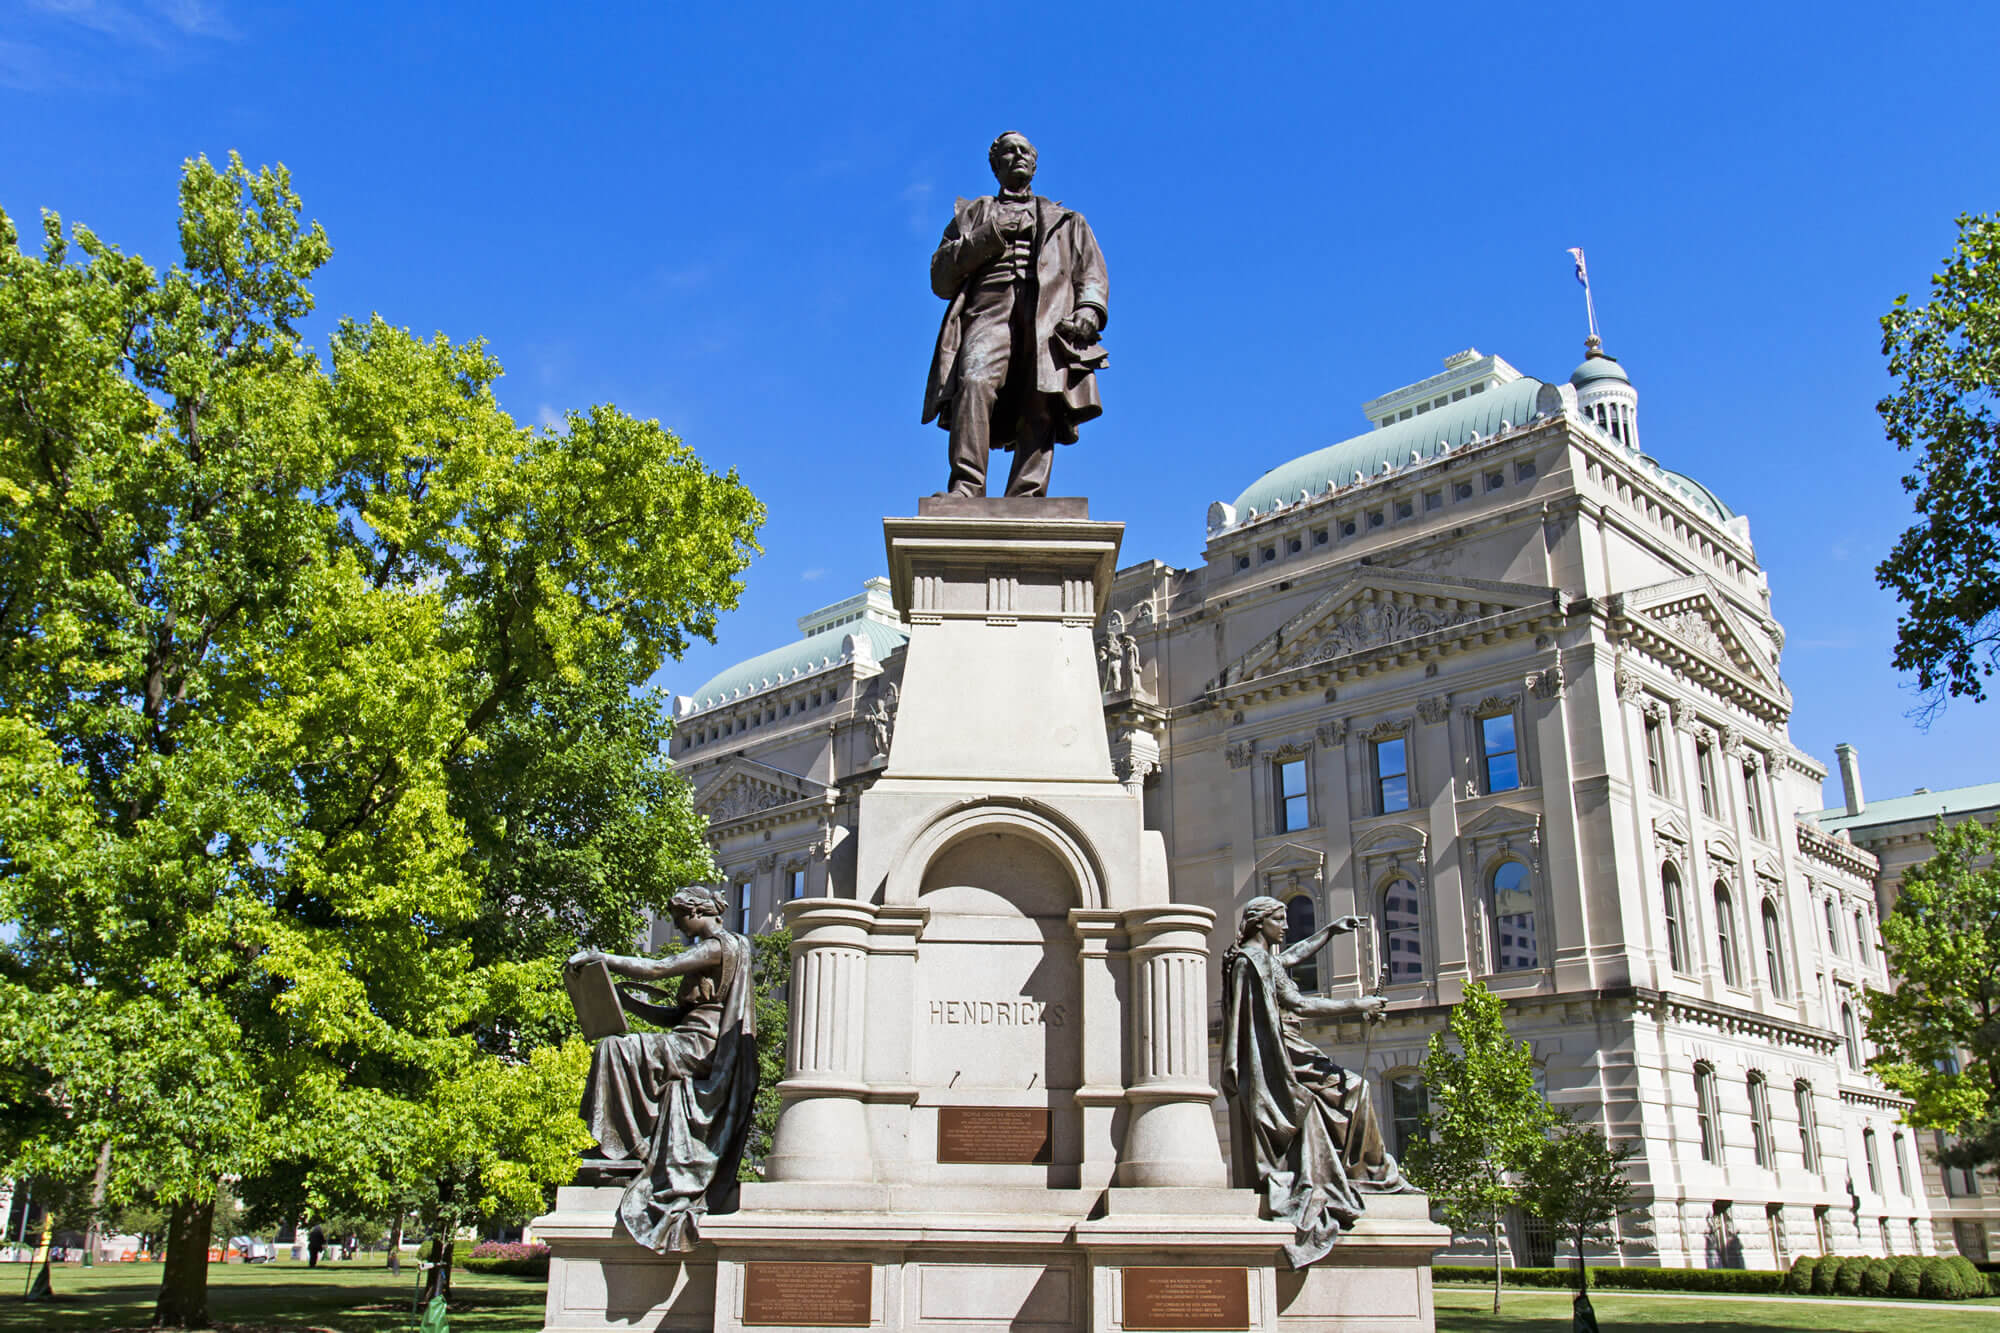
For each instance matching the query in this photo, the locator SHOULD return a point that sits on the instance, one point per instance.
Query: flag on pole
(1582, 274)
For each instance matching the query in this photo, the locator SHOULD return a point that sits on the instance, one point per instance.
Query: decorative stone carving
(1497, 703)
(1388, 729)
(1625, 680)
(1332, 733)
(1546, 684)
(1434, 708)
(745, 796)
(1373, 626)
(881, 720)
(1128, 660)
(1291, 746)
(1732, 739)
(1110, 666)
(1240, 754)
(1692, 627)
(767, 862)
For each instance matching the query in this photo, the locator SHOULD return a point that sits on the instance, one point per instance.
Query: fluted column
(822, 1131)
(1170, 1139)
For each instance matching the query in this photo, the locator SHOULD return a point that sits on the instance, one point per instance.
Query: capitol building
(1492, 677)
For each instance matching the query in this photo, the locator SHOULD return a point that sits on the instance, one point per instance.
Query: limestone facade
(1513, 693)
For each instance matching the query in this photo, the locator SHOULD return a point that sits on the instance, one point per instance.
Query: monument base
(979, 1260)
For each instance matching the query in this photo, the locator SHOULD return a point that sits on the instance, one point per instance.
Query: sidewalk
(1978, 1305)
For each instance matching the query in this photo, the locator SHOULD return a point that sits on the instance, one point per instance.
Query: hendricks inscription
(996, 1013)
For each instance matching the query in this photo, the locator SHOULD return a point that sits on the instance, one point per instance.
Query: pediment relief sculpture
(1671, 829)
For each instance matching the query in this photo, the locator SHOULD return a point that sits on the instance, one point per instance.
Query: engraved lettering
(997, 1013)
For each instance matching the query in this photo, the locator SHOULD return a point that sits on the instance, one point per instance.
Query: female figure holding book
(678, 1103)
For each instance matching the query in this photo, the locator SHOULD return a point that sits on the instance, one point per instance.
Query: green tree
(1937, 1035)
(1485, 1120)
(1575, 1180)
(311, 666)
(1945, 569)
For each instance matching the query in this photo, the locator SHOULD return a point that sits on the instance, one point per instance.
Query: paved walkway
(1981, 1306)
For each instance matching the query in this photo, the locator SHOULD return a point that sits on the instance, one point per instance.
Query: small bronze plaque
(1178, 1298)
(990, 1135)
(786, 1295)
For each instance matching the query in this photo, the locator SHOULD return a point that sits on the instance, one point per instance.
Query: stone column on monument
(824, 1126)
(1170, 1140)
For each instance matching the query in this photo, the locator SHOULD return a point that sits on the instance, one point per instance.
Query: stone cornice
(1817, 845)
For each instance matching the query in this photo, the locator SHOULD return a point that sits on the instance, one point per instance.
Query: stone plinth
(1007, 954)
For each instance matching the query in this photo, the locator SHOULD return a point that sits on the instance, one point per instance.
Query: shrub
(1512, 1277)
(1755, 1280)
(1847, 1282)
(1875, 1278)
(1940, 1281)
(1824, 1274)
(1969, 1275)
(509, 1257)
(1799, 1280)
(1905, 1277)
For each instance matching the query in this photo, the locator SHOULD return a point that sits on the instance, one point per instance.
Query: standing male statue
(1303, 1130)
(1017, 355)
(677, 1104)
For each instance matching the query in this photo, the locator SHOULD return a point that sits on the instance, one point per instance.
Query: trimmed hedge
(1907, 1276)
(509, 1257)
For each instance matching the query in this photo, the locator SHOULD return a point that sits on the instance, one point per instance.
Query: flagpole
(1589, 302)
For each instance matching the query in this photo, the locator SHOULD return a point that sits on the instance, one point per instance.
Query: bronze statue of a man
(1303, 1130)
(1018, 352)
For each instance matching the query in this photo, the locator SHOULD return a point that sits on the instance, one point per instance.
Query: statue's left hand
(585, 957)
(1081, 326)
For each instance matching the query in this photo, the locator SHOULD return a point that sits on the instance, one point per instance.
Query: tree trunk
(94, 1236)
(395, 1264)
(183, 1299)
(438, 1282)
(1493, 1236)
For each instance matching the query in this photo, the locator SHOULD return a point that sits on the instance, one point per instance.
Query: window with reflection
(1656, 756)
(1900, 1149)
(1392, 776)
(1514, 946)
(1725, 935)
(1704, 767)
(1832, 927)
(1753, 801)
(1502, 757)
(1707, 1114)
(1299, 923)
(1861, 937)
(1802, 1101)
(1676, 910)
(1874, 1167)
(1761, 1145)
(798, 881)
(1774, 949)
(1402, 932)
(743, 908)
(1294, 807)
(1407, 1105)
(1849, 1036)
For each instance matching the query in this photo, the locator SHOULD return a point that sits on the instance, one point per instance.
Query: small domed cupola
(1604, 394)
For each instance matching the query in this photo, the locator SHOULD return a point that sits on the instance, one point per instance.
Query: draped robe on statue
(1303, 1130)
(681, 1103)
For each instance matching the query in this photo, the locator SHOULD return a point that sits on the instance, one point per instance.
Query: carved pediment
(1374, 610)
(1669, 828)
(744, 787)
(1293, 860)
(1693, 613)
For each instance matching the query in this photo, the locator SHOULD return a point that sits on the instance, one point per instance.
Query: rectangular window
(1760, 1122)
(1405, 508)
(1704, 767)
(1707, 1116)
(1495, 480)
(1902, 1164)
(1868, 1154)
(1433, 500)
(1823, 1227)
(1392, 777)
(743, 908)
(1753, 804)
(1497, 745)
(1294, 808)
(799, 882)
(1406, 1110)
(1656, 756)
(1461, 490)
(1808, 1127)
(1524, 471)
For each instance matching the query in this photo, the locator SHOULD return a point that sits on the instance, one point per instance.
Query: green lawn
(363, 1298)
(1470, 1310)
(358, 1297)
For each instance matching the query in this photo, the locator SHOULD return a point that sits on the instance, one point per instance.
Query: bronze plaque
(1175, 1298)
(990, 1135)
(802, 1295)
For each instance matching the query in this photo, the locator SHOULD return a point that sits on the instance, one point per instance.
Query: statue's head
(1013, 159)
(696, 901)
(1258, 912)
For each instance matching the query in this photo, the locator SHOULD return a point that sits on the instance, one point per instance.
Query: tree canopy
(1945, 569)
(320, 733)
(1937, 1035)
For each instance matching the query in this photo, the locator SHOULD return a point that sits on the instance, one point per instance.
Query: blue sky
(723, 220)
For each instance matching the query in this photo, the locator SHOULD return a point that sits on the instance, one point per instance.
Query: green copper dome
(1699, 495)
(1450, 427)
(1596, 368)
(801, 658)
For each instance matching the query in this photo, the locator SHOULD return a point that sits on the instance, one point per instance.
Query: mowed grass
(357, 1297)
(363, 1297)
(1470, 1310)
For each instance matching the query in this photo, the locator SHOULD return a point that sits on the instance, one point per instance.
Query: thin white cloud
(811, 575)
(549, 417)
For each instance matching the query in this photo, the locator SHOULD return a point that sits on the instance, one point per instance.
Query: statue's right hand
(585, 957)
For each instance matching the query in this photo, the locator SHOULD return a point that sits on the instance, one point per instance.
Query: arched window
(1802, 1099)
(1832, 927)
(1848, 1036)
(1513, 906)
(1774, 949)
(1403, 932)
(1407, 1104)
(1725, 935)
(1707, 1115)
(1299, 923)
(1670, 895)
(1761, 1145)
